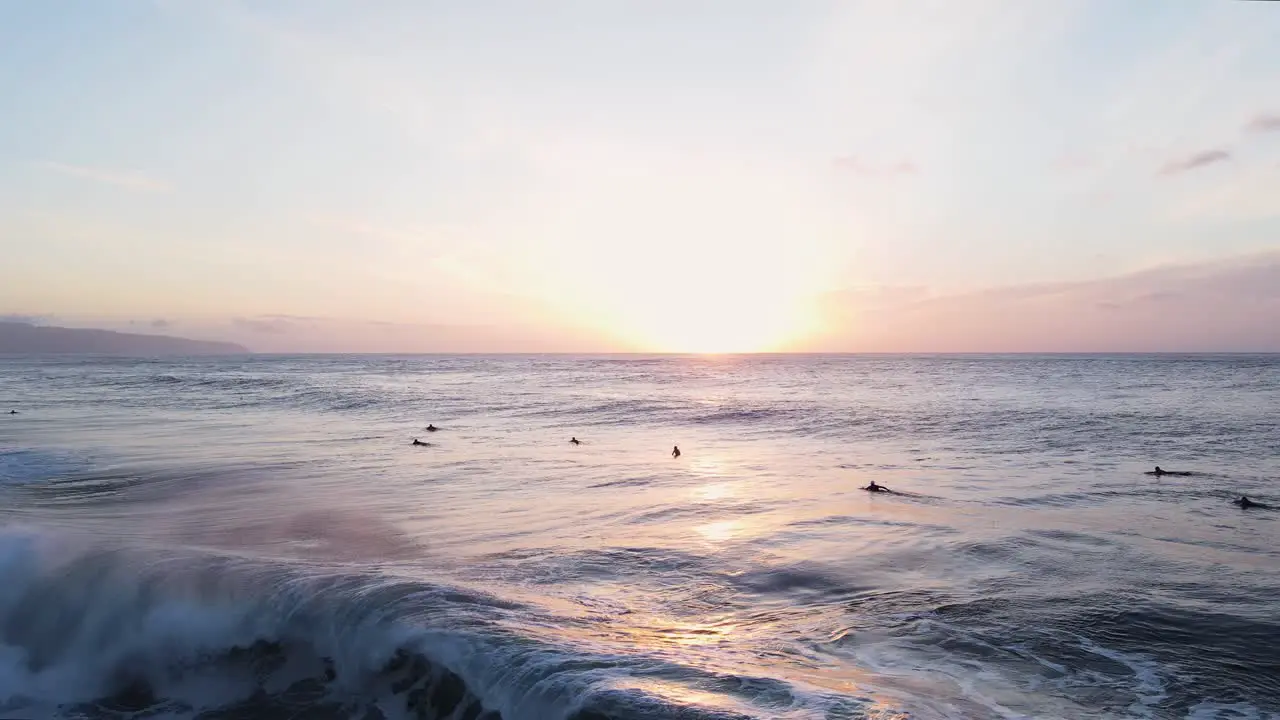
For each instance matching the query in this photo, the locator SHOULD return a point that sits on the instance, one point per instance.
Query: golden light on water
(707, 465)
(712, 491)
(721, 531)
(683, 694)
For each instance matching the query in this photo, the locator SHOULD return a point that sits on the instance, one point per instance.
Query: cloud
(1266, 122)
(278, 324)
(336, 335)
(294, 318)
(1201, 159)
(265, 326)
(879, 296)
(157, 324)
(1246, 194)
(122, 179)
(854, 164)
(1221, 306)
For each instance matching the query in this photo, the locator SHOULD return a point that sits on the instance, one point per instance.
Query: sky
(659, 176)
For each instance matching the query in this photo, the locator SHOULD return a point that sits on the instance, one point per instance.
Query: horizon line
(513, 353)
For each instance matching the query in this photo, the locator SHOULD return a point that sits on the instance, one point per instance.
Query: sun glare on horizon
(707, 303)
(712, 319)
(668, 251)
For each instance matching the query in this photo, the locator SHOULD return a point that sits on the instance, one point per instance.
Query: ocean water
(256, 537)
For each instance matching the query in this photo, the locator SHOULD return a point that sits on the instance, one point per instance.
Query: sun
(702, 297)
(682, 254)
(709, 300)
(710, 315)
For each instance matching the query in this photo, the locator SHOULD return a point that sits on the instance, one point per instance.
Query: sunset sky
(752, 175)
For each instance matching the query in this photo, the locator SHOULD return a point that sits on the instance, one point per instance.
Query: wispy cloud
(1222, 305)
(267, 333)
(157, 324)
(295, 318)
(269, 326)
(1201, 159)
(119, 178)
(1266, 122)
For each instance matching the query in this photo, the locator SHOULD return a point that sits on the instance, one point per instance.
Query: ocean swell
(103, 633)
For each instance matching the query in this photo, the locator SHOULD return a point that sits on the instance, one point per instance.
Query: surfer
(416, 441)
(575, 441)
(1159, 472)
(432, 428)
(873, 487)
(675, 451)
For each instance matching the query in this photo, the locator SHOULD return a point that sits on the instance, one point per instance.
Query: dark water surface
(256, 538)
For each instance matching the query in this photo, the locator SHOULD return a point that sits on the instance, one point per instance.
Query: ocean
(256, 537)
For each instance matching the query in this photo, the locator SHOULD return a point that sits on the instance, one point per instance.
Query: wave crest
(92, 632)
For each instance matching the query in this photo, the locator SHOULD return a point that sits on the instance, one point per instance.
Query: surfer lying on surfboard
(1158, 472)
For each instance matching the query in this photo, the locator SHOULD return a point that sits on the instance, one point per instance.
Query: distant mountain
(21, 338)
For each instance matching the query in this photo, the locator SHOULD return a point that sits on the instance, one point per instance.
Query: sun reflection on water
(721, 531)
(682, 695)
(713, 491)
(708, 466)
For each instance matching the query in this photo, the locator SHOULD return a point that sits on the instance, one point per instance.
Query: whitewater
(256, 537)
